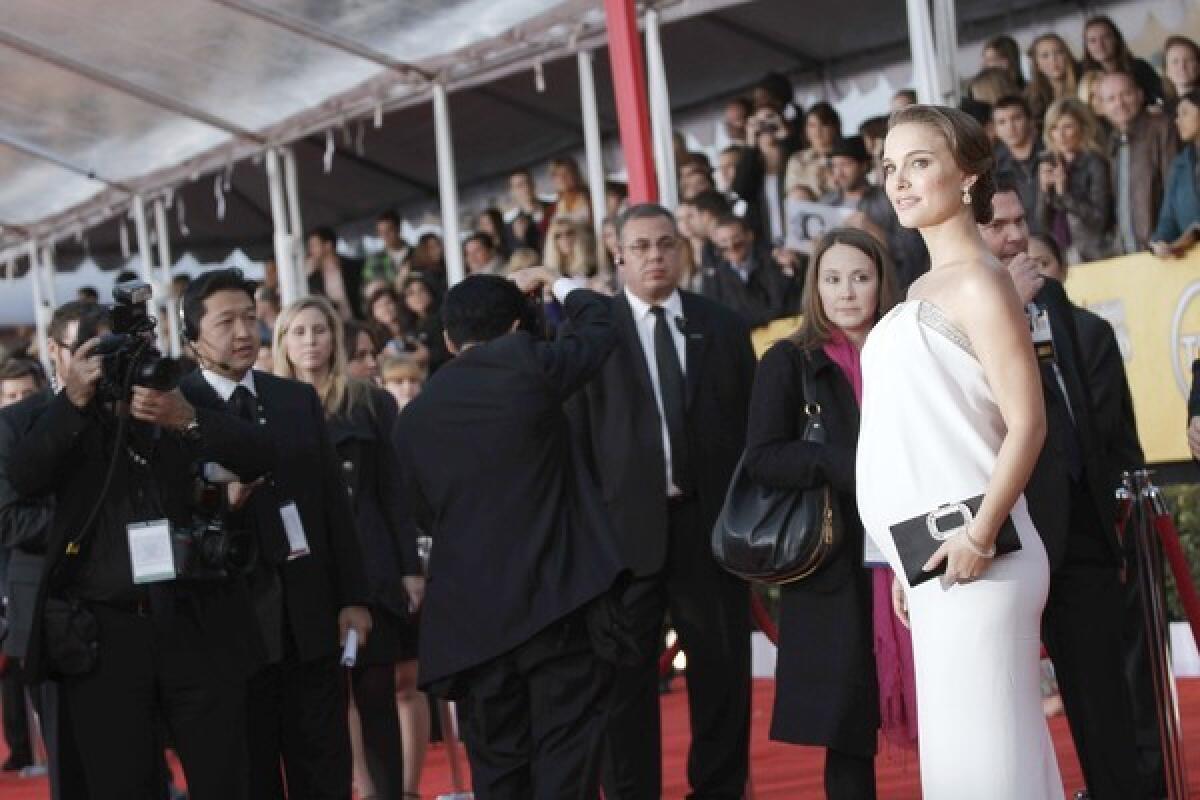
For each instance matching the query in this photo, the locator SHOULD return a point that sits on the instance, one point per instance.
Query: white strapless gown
(930, 433)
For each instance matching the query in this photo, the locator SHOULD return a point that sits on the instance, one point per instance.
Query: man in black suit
(1116, 425)
(1083, 620)
(25, 528)
(308, 586)
(521, 544)
(746, 279)
(662, 427)
(121, 467)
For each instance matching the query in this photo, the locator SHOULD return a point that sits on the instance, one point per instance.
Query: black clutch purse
(778, 535)
(917, 539)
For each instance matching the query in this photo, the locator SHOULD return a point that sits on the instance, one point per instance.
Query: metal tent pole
(292, 184)
(41, 312)
(146, 255)
(592, 147)
(447, 185)
(164, 300)
(660, 114)
(289, 287)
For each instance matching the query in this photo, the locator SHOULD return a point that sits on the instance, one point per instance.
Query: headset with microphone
(191, 331)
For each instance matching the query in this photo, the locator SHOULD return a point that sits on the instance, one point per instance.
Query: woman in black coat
(309, 347)
(826, 690)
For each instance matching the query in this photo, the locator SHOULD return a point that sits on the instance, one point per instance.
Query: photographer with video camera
(141, 613)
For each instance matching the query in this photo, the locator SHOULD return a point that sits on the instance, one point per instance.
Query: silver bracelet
(976, 549)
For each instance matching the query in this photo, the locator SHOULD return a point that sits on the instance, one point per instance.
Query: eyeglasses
(642, 247)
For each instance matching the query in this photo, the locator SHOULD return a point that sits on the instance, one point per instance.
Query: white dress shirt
(224, 387)
(645, 321)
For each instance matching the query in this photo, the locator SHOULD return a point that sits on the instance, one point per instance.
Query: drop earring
(966, 196)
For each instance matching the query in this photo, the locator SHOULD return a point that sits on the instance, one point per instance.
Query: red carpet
(778, 771)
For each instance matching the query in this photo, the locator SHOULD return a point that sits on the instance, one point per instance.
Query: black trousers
(1083, 629)
(533, 719)
(848, 776)
(710, 610)
(296, 719)
(63, 763)
(16, 715)
(144, 676)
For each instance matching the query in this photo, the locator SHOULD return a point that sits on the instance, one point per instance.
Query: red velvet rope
(1165, 526)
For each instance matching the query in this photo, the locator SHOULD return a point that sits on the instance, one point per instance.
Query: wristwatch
(192, 429)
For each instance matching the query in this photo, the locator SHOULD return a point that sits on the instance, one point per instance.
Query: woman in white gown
(952, 408)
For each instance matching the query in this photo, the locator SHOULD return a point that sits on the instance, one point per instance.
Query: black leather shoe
(16, 763)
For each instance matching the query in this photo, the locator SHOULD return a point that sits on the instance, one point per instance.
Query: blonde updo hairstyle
(968, 143)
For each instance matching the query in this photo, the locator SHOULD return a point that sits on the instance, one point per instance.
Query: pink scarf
(893, 643)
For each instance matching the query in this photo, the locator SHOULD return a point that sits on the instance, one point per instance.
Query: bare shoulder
(964, 288)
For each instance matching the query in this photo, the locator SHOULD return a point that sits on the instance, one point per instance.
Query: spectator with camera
(309, 347)
(308, 586)
(758, 179)
(1074, 191)
(138, 615)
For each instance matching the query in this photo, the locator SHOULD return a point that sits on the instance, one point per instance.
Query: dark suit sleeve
(23, 522)
(391, 484)
(572, 360)
(776, 456)
(346, 557)
(419, 508)
(244, 448)
(1110, 392)
(40, 458)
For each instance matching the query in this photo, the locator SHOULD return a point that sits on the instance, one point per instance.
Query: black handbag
(778, 535)
(917, 539)
(70, 636)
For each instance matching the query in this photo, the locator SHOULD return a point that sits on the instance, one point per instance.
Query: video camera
(129, 355)
(206, 548)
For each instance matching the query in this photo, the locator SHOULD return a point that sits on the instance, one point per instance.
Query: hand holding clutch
(965, 560)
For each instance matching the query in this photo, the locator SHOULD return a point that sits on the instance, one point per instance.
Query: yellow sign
(1154, 307)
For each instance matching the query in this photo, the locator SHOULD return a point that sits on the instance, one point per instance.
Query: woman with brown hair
(843, 657)
(308, 347)
(1181, 67)
(810, 167)
(1075, 199)
(572, 202)
(1104, 49)
(1003, 52)
(1055, 72)
(952, 422)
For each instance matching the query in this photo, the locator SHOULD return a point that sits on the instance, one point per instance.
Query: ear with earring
(966, 195)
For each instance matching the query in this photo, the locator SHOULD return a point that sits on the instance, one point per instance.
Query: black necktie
(242, 404)
(671, 385)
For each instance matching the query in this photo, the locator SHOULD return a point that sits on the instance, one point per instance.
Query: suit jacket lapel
(633, 343)
(696, 335)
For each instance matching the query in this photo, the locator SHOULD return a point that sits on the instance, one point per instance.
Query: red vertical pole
(629, 87)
